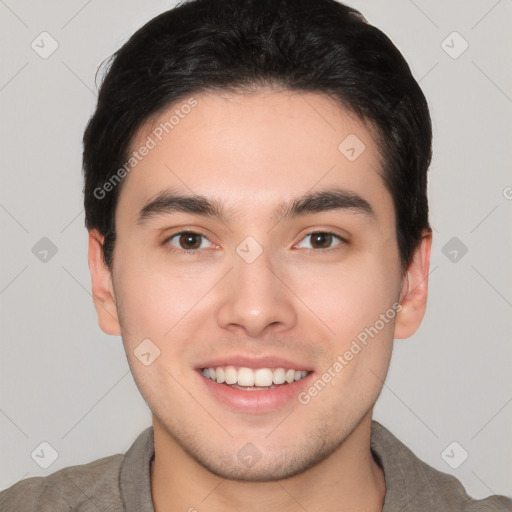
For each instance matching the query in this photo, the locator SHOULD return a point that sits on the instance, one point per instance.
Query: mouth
(254, 390)
(249, 379)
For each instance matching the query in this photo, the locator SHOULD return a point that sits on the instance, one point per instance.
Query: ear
(102, 289)
(413, 295)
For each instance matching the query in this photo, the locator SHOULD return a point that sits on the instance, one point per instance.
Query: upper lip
(254, 362)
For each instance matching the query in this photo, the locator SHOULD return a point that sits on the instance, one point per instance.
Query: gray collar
(409, 481)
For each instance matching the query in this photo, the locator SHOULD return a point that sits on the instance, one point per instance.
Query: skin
(296, 300)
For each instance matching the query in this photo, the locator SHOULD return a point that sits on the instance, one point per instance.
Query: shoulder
(412, 484)
(86, 487)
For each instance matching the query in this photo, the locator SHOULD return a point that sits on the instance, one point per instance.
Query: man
(255, 195)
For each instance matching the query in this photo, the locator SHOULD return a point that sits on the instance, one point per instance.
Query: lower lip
(256, 401)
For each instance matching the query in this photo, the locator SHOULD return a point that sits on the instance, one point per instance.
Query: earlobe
(102, 289)
(414, 290)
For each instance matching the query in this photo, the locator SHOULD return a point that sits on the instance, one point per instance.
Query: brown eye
(322, 240)
(188, 241)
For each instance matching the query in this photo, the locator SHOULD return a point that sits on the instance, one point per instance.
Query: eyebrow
(324, 201)
(168, 202)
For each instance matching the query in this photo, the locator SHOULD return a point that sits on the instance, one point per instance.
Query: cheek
(147, 302)
(350, 296)
(158, 303)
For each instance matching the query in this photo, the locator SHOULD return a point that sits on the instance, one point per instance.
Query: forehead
(254, 150)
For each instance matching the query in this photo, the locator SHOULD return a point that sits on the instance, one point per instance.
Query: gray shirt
(121, 483)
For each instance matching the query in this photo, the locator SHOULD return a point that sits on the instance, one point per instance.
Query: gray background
(65, 382)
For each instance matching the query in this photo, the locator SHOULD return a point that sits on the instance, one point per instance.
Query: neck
(349, 479)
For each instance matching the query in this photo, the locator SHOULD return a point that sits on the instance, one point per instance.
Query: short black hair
(318, 46)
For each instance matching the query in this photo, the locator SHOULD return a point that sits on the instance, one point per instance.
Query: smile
(259, 379)
(254, 390)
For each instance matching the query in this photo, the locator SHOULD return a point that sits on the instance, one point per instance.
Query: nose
(255, 298)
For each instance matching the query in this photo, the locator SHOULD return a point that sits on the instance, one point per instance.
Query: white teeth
(279, 376)
(231, 375)
(247, 377)
(263, 377)
(220, 377)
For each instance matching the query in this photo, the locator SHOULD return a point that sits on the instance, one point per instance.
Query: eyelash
(196, 251)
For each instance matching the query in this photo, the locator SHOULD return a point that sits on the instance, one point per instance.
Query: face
(274, 251)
